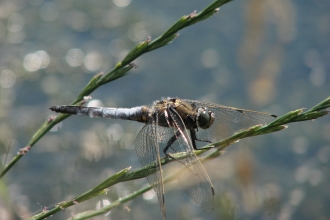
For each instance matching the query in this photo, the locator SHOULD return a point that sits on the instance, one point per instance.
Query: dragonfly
(175, 125)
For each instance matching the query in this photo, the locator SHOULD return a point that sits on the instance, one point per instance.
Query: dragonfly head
(205, 118)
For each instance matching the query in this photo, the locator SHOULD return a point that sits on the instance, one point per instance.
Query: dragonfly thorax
(204, 118)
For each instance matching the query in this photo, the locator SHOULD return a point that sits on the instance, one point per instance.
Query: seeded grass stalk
(121, 69)
(216, 149)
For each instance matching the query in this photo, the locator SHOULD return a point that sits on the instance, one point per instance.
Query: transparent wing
(229, 120)
(147, 150)
(193, 176)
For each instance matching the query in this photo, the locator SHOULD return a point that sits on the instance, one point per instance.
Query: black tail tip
(53, 108)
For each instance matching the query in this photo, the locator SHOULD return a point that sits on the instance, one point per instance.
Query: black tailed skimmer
(174, 125)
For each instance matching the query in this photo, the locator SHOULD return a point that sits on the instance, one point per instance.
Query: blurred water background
(265, 55)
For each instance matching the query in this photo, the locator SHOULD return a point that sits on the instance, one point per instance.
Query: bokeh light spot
(210, 58)
(80, 21)
(75, 57)
(92, 146)
(16, 23)
(95, 103)
(35, 61)
(115, 132)
(44, 58)
(302, 174)
(317, 76)
(93, 61)
(300, 145)
(137, 32)
(32, 62)
(122, 3)
(149, 195)
(296, 196)
(7, 78)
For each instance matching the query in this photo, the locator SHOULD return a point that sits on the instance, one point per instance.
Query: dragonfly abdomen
(139, 113)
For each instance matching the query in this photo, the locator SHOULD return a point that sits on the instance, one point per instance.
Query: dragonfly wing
(147, 150)
(228, 120)
(193, 176)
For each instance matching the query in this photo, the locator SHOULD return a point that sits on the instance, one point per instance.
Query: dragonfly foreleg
(194, 139)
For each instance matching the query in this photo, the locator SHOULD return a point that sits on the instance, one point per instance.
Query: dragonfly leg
(169, 145)
(194, 139)
(170, 142)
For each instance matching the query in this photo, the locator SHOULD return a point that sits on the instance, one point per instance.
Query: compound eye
(204, 118)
